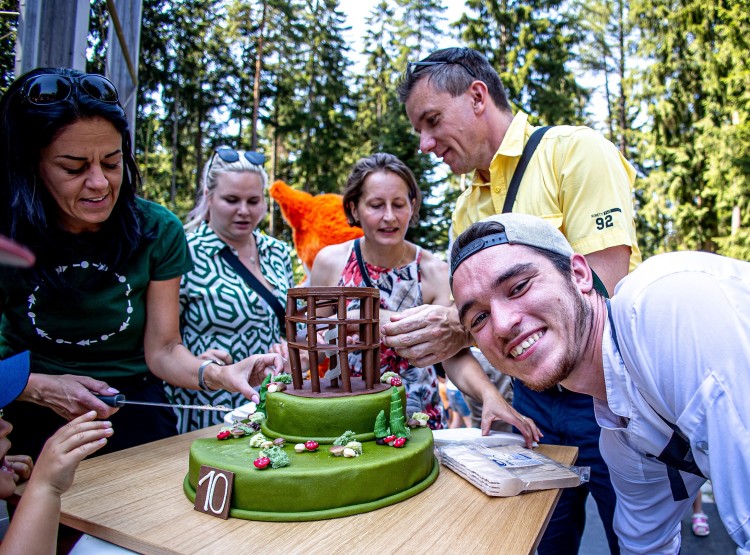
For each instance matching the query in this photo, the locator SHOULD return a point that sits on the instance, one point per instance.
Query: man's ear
(581, 272)
(479, 96)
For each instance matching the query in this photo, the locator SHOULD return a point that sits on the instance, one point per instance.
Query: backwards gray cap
(520, 229)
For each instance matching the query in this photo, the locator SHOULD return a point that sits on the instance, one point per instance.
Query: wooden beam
(123, 52)
(52, 33)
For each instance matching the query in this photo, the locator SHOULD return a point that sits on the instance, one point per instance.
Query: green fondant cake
(317, 485)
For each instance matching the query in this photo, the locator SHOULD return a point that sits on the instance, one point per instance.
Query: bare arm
(171, 361)
(33, 528)
(466, 373)
(611, 265)
(329, 265)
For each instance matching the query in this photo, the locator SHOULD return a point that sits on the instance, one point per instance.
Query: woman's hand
(495, 407)
(62, 452)
(244, 375)
(304, 355)
(69, 395)
(425, 334)
(283, 350)
(21, 465)
(216, 354)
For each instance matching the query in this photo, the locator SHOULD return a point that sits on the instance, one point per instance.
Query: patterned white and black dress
(218, 310)
(400, 289)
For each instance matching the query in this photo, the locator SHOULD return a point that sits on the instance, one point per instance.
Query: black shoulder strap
(528, 152)
(361, 264)
(280, 311)
(515, 183)
(677, 454)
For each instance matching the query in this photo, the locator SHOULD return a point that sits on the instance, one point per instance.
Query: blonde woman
(230, 301)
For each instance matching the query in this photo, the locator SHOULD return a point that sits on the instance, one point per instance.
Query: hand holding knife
(119, 401)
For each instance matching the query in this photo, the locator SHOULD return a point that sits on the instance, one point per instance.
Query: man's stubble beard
(574, 351)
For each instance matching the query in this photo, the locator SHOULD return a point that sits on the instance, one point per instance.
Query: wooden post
(123, 53)
(52, 33)
(346, 380)
(312, 341)
(291, 337)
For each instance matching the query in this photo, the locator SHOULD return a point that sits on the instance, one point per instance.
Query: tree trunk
(256, 81)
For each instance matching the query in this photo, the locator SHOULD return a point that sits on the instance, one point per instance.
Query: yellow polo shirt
(576, 179)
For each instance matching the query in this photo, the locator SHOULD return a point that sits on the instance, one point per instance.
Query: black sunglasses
(51, 88)
(416, 67)
(230, 156)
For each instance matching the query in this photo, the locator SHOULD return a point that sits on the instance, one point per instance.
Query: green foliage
(97, 37)
(397, 419)
(608, 52)
(8, 34)
(695, 151)
(381, 425)
(277, 456)
(395, 35)
(278, 76)
(263, 393)
(345, 438)
(530, 43)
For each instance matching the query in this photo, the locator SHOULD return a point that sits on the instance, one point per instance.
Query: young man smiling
(575, 179)
(668, 369)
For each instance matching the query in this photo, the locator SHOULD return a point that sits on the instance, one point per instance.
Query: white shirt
(683, 328)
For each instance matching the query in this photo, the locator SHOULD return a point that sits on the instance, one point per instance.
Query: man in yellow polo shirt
(578, 181)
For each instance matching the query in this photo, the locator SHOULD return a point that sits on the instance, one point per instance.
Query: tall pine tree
(530, 43)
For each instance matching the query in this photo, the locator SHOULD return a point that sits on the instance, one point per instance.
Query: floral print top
(400, 289)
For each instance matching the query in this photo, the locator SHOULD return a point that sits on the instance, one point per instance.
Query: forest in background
(279, 76)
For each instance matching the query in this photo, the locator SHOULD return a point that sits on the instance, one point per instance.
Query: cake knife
(119, 400)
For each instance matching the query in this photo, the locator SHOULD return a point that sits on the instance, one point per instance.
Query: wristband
(201, 369)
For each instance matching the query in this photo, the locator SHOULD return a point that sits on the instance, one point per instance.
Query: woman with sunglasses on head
(99, 312)
(382, 197)
(232, 302)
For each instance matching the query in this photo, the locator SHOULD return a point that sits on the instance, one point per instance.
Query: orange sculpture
(316, 221)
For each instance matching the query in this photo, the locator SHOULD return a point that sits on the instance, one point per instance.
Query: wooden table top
(134, 498)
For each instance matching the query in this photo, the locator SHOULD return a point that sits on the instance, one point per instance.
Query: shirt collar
(514, 139)
(512, 145)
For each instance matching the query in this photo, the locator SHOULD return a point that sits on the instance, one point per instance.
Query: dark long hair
(28, 213)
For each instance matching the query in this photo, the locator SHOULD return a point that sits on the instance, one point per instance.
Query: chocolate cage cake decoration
(324, 309)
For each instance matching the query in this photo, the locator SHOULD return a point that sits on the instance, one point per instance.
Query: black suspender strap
(361, 264)
(523, 162)
(280, 311)
(677, 455)
(515, 183)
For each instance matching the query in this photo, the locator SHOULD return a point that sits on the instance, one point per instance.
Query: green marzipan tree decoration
(262, 392)
(381, 425)
(398, 424)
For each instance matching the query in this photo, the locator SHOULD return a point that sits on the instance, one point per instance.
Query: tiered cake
(316, 484)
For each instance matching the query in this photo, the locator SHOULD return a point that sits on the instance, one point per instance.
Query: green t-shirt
(98, 333)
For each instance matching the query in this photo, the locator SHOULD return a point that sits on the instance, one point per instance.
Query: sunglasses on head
(415, 67)
(51, 88)
(230, 156)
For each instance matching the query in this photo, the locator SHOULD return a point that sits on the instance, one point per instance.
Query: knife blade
(119, 401)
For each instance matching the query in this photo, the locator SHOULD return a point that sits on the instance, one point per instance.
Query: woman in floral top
(222, 317)
(382, 197)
